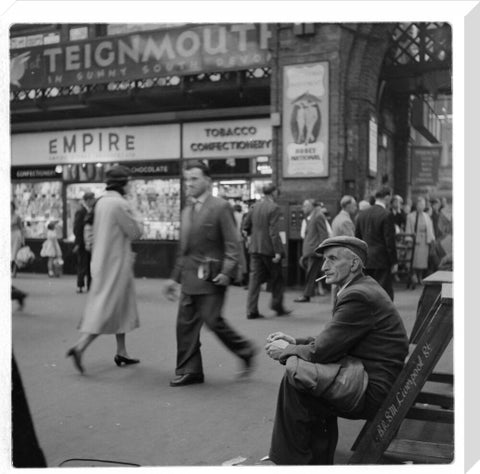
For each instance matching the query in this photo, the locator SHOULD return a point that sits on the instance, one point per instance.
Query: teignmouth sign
(174, 51)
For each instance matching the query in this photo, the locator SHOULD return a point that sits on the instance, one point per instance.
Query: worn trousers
(84, 277)
(305, 429)
(193, 312)
(313, 271)
(262, 269)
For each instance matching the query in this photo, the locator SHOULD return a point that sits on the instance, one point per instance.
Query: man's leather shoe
(302, 299)
(255, 316)
(248, 363)
(186, 379)
(282, 311)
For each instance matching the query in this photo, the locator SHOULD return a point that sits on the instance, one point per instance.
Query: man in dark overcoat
(376, 227)
(315, 232)
(266, 252)
(84, 256)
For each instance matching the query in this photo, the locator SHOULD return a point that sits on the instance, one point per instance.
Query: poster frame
(324, 120)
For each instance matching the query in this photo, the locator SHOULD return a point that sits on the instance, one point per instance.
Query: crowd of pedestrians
(353, 257)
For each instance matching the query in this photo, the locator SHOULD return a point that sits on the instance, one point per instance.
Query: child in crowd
(51, 249)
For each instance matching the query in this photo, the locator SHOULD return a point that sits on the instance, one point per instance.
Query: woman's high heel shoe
(77, 359)
(120, 360)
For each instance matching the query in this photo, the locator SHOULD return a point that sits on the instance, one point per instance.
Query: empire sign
(176, 51)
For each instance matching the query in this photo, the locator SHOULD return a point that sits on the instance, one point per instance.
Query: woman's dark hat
(357, 246)
(118, 174)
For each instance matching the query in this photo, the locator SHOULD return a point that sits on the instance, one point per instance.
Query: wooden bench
(406, 399)
(431, 292)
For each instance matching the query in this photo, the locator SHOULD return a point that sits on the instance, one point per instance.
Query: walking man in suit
(84, 278)
(343, 223)
(266, 251)
(375, 226)
(315, 233)
(206, 263)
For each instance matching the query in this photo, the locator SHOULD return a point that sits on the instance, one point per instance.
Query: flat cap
(357, 246)
(88, 195)
(117, 174)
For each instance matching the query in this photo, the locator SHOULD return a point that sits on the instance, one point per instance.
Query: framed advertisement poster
(305, 120)
(425, 165)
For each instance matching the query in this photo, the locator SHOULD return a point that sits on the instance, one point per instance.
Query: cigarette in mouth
(321, 278)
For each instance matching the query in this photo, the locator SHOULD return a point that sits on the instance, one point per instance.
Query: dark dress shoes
(302, 299)
(120, 360)
(282, 311)
(248, 363)
(21, 301)
(255, 316)
(186, 379)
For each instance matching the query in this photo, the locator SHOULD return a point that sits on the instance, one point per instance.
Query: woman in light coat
(420, 224)
(111, 306)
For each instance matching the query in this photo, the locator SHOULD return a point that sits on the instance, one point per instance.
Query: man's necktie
(196, 206)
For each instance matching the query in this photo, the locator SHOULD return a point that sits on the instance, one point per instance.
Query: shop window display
(232, 189)
(158, 202)
(38, 204)
(257, 187)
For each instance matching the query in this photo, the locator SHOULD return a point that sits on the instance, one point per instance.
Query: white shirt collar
(343, 287)
(381, 203)
(202, 198)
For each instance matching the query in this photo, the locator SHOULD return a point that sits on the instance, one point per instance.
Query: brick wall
(355, 55)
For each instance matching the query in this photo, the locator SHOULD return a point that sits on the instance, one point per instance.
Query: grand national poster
(305, 120)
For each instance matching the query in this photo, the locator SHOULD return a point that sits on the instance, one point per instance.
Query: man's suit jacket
(365, 325)
(375, 226)
(316, 232)
(262, 225)
(343, 225)
(78, 225)
(207, 233)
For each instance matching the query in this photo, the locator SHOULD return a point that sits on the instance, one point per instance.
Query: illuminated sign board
(148, 142)
(188, 49)
(236, 138)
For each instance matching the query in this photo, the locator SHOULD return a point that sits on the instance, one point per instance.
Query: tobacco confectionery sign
(305, 120)
(174, 51)
(236, 138)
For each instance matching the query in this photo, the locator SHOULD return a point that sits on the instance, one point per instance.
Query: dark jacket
(211, 233)
(78, 226)
(365, 325)
(375, 226)
(400, 219)
(262, 225)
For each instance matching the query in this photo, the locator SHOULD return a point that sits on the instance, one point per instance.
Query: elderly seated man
(365, 333)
